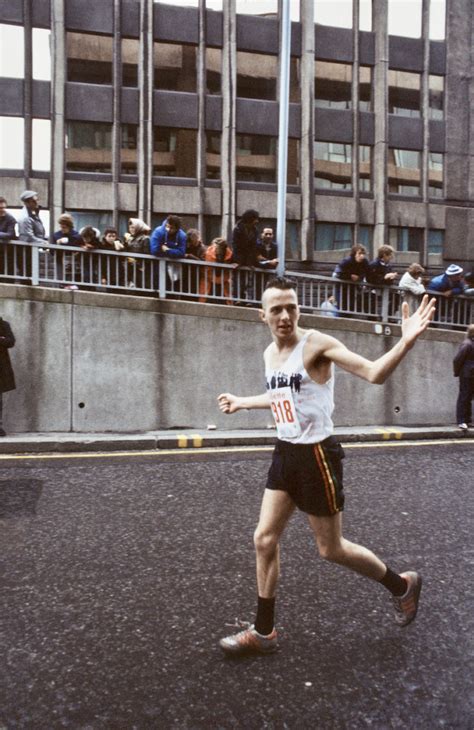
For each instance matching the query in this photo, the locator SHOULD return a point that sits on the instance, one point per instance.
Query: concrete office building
(153, 108)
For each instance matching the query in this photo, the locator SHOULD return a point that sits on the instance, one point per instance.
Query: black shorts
(311, 474)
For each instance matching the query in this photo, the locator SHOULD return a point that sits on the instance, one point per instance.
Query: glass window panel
(96, 218)
(256, 76)
(88, 146)
(12, 130)
(365, 88)
(365, 14)
(365, 168)
(436, 97)
(333, 165)
(404, 93)
(213, 155)
(404, 18)
(293, 170)
(435, 240)
(175, 66)
(174, 152)
(404, 171)
(366, 237)
(294, 80)
(332, 86)
(41, 143)
(256, 157)
(213, 70)
(406, 239)
(89, 58)
(438, 20)
(129, 145)
(262, 7)
(328, 12)
(212, 228)
(12, 50)
(333, 236)
(130, 49)
(435, 175)
(41, 54)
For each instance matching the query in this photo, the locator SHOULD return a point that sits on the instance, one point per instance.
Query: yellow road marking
(223, 450)
(182, 441)
(197, 440)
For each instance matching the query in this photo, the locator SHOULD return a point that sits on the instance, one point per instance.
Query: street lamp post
(285, 46)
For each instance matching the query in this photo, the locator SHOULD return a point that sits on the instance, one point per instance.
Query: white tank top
(302, 409)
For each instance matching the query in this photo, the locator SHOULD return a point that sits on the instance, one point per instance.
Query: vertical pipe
(307, 130)
(145, 131)
(28, 91)
(229, 81)
(284, 99)
(58, 106)
(117, 110)
(355, 117)
(425, 115)
(201, 136)
(380, 25)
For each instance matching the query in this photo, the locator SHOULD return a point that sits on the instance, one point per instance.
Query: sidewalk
(41, 443)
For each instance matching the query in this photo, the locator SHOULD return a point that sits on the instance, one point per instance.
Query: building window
(174, 152)
(333, 165)
(406, 239)
(397, 18)
(130, 51)
(332, 85)
(96, 218)
(365, 168)
(41, 144)
(366, 237)
(250, 7)
(404, 172)
(175, 67)
(437, 20)
(41, 54)
(333, 236)
(435, 175)
(12, 130)
(213, 155)
(365, 14)
(256, 158)
(336, 14)
(212, 228)
(213, 70)
(129, 145)
(89, 58)
(403, 93)
(365, 88)
(293, 169)
(294, 80)
(435, 240)
(88, 147)
(256, 76)
(12, 52)
(436, 97)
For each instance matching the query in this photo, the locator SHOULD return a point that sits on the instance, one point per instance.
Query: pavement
(52, 442)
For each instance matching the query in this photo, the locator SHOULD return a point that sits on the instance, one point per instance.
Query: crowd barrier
(203, 281)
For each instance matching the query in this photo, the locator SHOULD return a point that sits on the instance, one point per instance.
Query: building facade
(152, 108)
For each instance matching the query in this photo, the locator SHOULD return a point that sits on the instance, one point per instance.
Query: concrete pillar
(201, 136)
(425, 115)
(117, 114)
(58, 107)
(145, 129)
(355, 116)
(380, 88)
(308, 212)
(229, 83)
(27, 92)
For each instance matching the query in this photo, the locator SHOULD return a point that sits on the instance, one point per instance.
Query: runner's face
(281, 312)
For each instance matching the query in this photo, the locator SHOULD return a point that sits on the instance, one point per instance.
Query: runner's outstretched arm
(229, 403)
(377, 371)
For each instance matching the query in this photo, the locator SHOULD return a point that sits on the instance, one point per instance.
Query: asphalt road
(120, 574)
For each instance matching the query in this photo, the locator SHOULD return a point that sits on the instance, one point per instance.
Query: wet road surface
(120, 574)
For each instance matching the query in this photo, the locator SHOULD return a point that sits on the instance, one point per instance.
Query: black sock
(394, 583)
(265, 616)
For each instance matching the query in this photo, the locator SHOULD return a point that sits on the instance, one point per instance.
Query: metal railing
(204, 281)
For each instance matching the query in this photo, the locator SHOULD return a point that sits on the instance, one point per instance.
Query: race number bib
(284, 413)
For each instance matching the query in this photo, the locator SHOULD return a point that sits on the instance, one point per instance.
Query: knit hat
(453, 270)
(27, 195)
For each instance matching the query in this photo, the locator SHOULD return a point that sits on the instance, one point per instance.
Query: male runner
(306, 470)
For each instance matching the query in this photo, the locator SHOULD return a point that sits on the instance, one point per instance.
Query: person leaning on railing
(66, 236)
(112, 269)
(412, 286)
(353, 268)
(30, 230)
(7, 234)
(448, 286)
(215, 279)
(381, 274)
(137, 240)
(169, 241)
(195, 251)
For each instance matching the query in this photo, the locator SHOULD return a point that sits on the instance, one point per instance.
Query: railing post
(385, 302)
(35, 265)
(162, 278)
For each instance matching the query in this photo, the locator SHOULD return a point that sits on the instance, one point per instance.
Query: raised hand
(412, 327)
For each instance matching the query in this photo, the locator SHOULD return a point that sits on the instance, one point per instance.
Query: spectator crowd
(249, 249)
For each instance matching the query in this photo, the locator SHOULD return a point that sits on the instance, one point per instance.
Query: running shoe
(249, 641)
(406, 606)
(463, 426)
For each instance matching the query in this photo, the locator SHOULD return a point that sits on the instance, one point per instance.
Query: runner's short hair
(280, 282)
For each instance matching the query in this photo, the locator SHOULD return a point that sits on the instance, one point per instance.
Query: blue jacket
(443, 283)
(176, 243)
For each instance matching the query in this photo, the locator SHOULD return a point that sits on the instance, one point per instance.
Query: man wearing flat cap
(30, 229)
(7, 378)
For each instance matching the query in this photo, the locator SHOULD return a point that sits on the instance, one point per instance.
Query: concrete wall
(98, 362)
